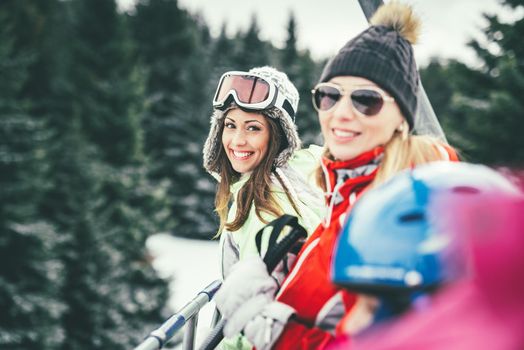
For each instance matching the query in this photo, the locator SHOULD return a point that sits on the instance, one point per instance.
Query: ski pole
(160, 336)
(271, 259)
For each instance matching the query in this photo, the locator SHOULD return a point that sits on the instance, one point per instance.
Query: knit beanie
(383, 53)
(287, 123)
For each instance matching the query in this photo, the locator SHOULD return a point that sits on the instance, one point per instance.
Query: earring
(403, 130)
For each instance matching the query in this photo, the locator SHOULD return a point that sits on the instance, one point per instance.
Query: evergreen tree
(438, 86)
(72, 204)
(108, 207)
(194, 189)
(166, 37)
(447, 83)
(107, 80)
(290, 54)
(112, 293)
(221, 54)
(173, 45)
(499, 140)
(251, 51)
(485, 115)
(303, 72)
(30, 274)
(307, 116)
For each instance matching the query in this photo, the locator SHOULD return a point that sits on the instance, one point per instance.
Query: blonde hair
(404, 151)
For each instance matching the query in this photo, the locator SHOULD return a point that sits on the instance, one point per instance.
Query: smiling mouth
(241, 155)
(344, 134)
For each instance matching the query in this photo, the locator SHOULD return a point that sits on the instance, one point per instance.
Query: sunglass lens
(367, 102)
(326, 97)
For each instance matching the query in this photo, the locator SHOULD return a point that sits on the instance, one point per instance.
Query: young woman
(366, 101)
(253, 149)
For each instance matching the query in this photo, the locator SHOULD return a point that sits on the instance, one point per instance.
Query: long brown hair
(257, 190)
(401, 152)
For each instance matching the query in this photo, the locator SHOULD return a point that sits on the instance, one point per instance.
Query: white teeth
(344, 133)
(242, 154)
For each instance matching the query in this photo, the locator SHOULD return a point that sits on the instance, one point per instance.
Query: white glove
(265, 328)
(244, 293)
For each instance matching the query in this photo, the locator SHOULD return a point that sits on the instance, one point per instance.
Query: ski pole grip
(271, 259)
(275, 255)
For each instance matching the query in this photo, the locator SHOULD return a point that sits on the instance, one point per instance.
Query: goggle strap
(289, 109)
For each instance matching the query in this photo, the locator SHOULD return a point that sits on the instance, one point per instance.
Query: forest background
(103, 115)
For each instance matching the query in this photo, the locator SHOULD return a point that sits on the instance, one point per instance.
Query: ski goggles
(249, 91)
(368, 100)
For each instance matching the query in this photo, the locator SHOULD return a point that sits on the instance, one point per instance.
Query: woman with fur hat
(253, 149)
(366, 101)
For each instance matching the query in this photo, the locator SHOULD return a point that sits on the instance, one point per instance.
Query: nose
(239, 138)
(343, 109)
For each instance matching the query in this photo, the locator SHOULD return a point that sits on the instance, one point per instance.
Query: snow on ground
(192, 265)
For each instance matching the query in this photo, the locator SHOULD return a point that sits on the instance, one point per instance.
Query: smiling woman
(246, 138)
(254, 151)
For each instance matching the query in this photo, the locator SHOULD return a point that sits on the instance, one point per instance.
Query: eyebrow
(247, 121)
(253, 120)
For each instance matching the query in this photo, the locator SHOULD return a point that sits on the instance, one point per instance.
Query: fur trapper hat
(284, 86)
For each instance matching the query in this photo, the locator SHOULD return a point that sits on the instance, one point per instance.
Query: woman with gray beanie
(253, 150)
(366, 101)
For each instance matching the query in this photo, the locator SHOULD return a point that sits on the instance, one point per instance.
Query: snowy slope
(192, 264)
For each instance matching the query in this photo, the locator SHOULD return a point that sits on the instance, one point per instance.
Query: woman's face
(245, 139)
(348, 133)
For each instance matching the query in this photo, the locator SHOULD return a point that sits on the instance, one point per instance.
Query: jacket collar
(344, 177)
(236, 186)
(333, 167)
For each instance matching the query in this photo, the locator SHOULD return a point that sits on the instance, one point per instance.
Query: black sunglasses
(368, 101)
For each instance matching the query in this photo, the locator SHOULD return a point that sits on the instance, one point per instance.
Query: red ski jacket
(319, 304)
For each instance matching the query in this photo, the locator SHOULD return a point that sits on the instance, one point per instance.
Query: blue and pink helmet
(399, 239)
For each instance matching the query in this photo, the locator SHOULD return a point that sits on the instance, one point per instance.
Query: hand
(244, 293)
(265, 328)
